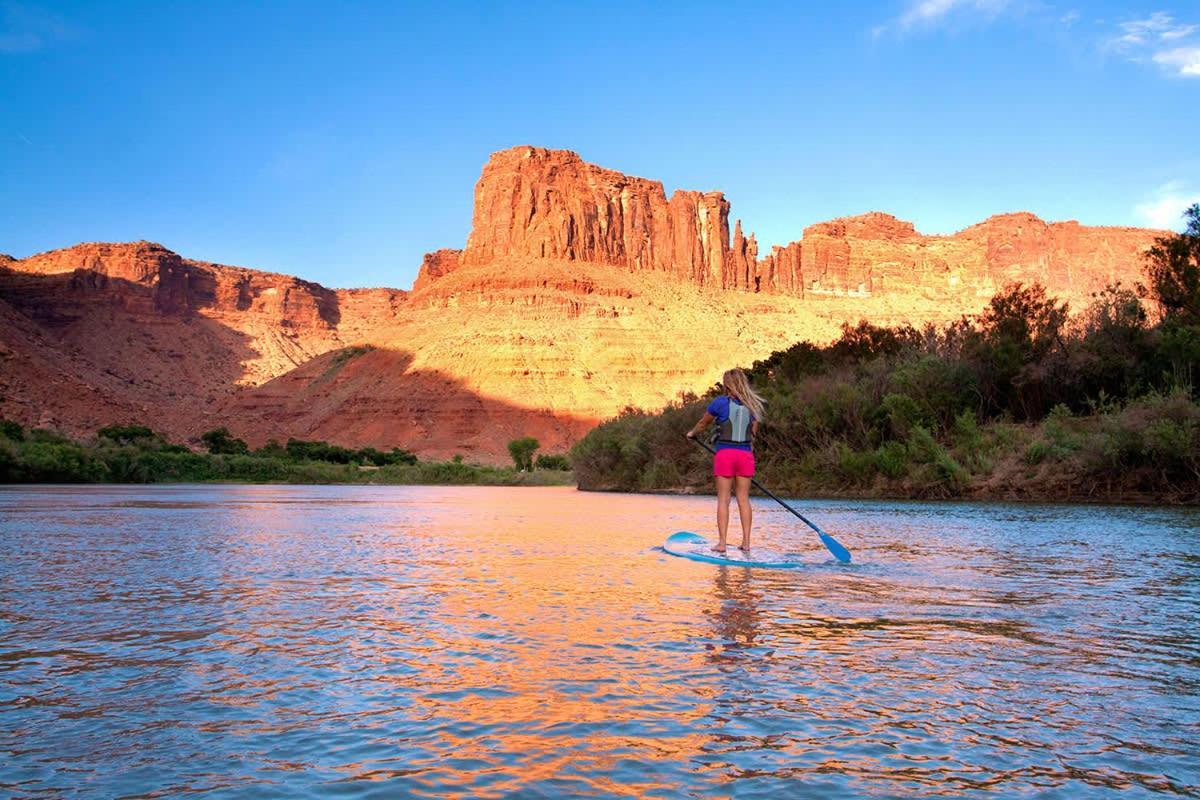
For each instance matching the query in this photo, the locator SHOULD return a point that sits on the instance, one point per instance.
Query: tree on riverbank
(522, 451)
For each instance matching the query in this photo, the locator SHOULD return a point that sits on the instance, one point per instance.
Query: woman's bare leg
(724, 490)
(742, 486)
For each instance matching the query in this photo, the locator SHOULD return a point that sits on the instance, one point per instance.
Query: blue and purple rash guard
(719, 408)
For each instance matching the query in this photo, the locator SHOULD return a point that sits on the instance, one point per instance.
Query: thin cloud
(928, 14)
(1160, 39)
(1164, 208)
(1158, 27)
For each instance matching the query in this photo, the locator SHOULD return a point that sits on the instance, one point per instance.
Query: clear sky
(340, 141)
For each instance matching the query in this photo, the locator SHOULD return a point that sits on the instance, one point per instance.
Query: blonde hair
(738, 385)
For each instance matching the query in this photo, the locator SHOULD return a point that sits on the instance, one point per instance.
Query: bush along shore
(135, 454)
(1023, 401)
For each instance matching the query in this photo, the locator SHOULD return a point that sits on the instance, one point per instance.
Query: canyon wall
(532, 203)
(580, 291)
(877, 253)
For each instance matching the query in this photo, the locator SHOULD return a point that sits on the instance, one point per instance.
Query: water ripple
(487, 642)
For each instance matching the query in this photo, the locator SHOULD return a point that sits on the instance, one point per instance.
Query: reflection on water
(489, 642)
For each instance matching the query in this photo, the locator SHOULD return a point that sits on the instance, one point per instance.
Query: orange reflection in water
(498, 642)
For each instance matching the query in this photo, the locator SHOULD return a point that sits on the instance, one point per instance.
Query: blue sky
(341, 141)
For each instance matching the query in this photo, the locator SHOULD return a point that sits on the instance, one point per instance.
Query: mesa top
(734, 423)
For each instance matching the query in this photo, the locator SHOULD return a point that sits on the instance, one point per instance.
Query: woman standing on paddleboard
(737, 413)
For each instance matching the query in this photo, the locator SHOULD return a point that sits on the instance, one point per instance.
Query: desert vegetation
(136, 454)
(1022, 401)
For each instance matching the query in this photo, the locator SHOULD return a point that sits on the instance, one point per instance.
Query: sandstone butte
(580, 291)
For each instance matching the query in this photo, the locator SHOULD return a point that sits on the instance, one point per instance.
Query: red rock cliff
(538, 204)
(877, 254)
(550, 204)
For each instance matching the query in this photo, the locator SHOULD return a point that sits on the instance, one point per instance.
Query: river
(273, 641)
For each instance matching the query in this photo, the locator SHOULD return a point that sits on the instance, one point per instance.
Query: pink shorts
(731, 463)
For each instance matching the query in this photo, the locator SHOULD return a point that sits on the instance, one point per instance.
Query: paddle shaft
(770, 494)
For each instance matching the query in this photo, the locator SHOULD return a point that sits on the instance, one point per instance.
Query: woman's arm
(704, 422)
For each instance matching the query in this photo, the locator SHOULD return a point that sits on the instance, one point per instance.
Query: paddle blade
(839, 552)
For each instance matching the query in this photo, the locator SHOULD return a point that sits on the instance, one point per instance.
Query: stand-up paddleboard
(686, 544)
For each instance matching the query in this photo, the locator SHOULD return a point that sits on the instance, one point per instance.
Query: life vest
(736, 428)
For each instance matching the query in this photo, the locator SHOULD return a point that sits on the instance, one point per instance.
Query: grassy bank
(1144, 451)
(136, 455)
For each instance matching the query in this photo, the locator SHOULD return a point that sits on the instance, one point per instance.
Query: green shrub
(940, 388)
(965, 432)
(1056, 440)
(11, 464)
(897, 415)
(949, 473)
(220, 442)
(46, 436)
(11, 430)
(128, 434)
(1037, 452)
(922, 447)
(891, 459)
(272, 449)
(125, 465)
(660, 476)
(369, 455)
(1171, 442)
(399, 455)
(59, 462)
(300, 450)
(559, 462)
(856, 466)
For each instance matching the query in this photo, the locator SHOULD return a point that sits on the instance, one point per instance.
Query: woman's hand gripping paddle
(839, 552)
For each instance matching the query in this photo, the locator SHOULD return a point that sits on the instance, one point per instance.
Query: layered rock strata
(580, 291)
(532, 203)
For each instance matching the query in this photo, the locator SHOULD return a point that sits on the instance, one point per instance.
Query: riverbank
(1141, 453)
(137, 455)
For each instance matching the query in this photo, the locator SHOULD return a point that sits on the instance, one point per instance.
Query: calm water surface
(495, 642)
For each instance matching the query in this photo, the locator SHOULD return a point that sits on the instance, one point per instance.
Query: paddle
(839, 552)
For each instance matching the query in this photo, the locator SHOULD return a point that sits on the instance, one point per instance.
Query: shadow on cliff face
(193, 285)
(140, 353)
(95, 350)
(367, 396)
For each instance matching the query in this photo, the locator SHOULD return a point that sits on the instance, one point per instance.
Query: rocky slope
(580, 291)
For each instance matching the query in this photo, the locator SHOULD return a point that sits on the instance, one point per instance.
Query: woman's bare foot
(744, 547)
(719, 549)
